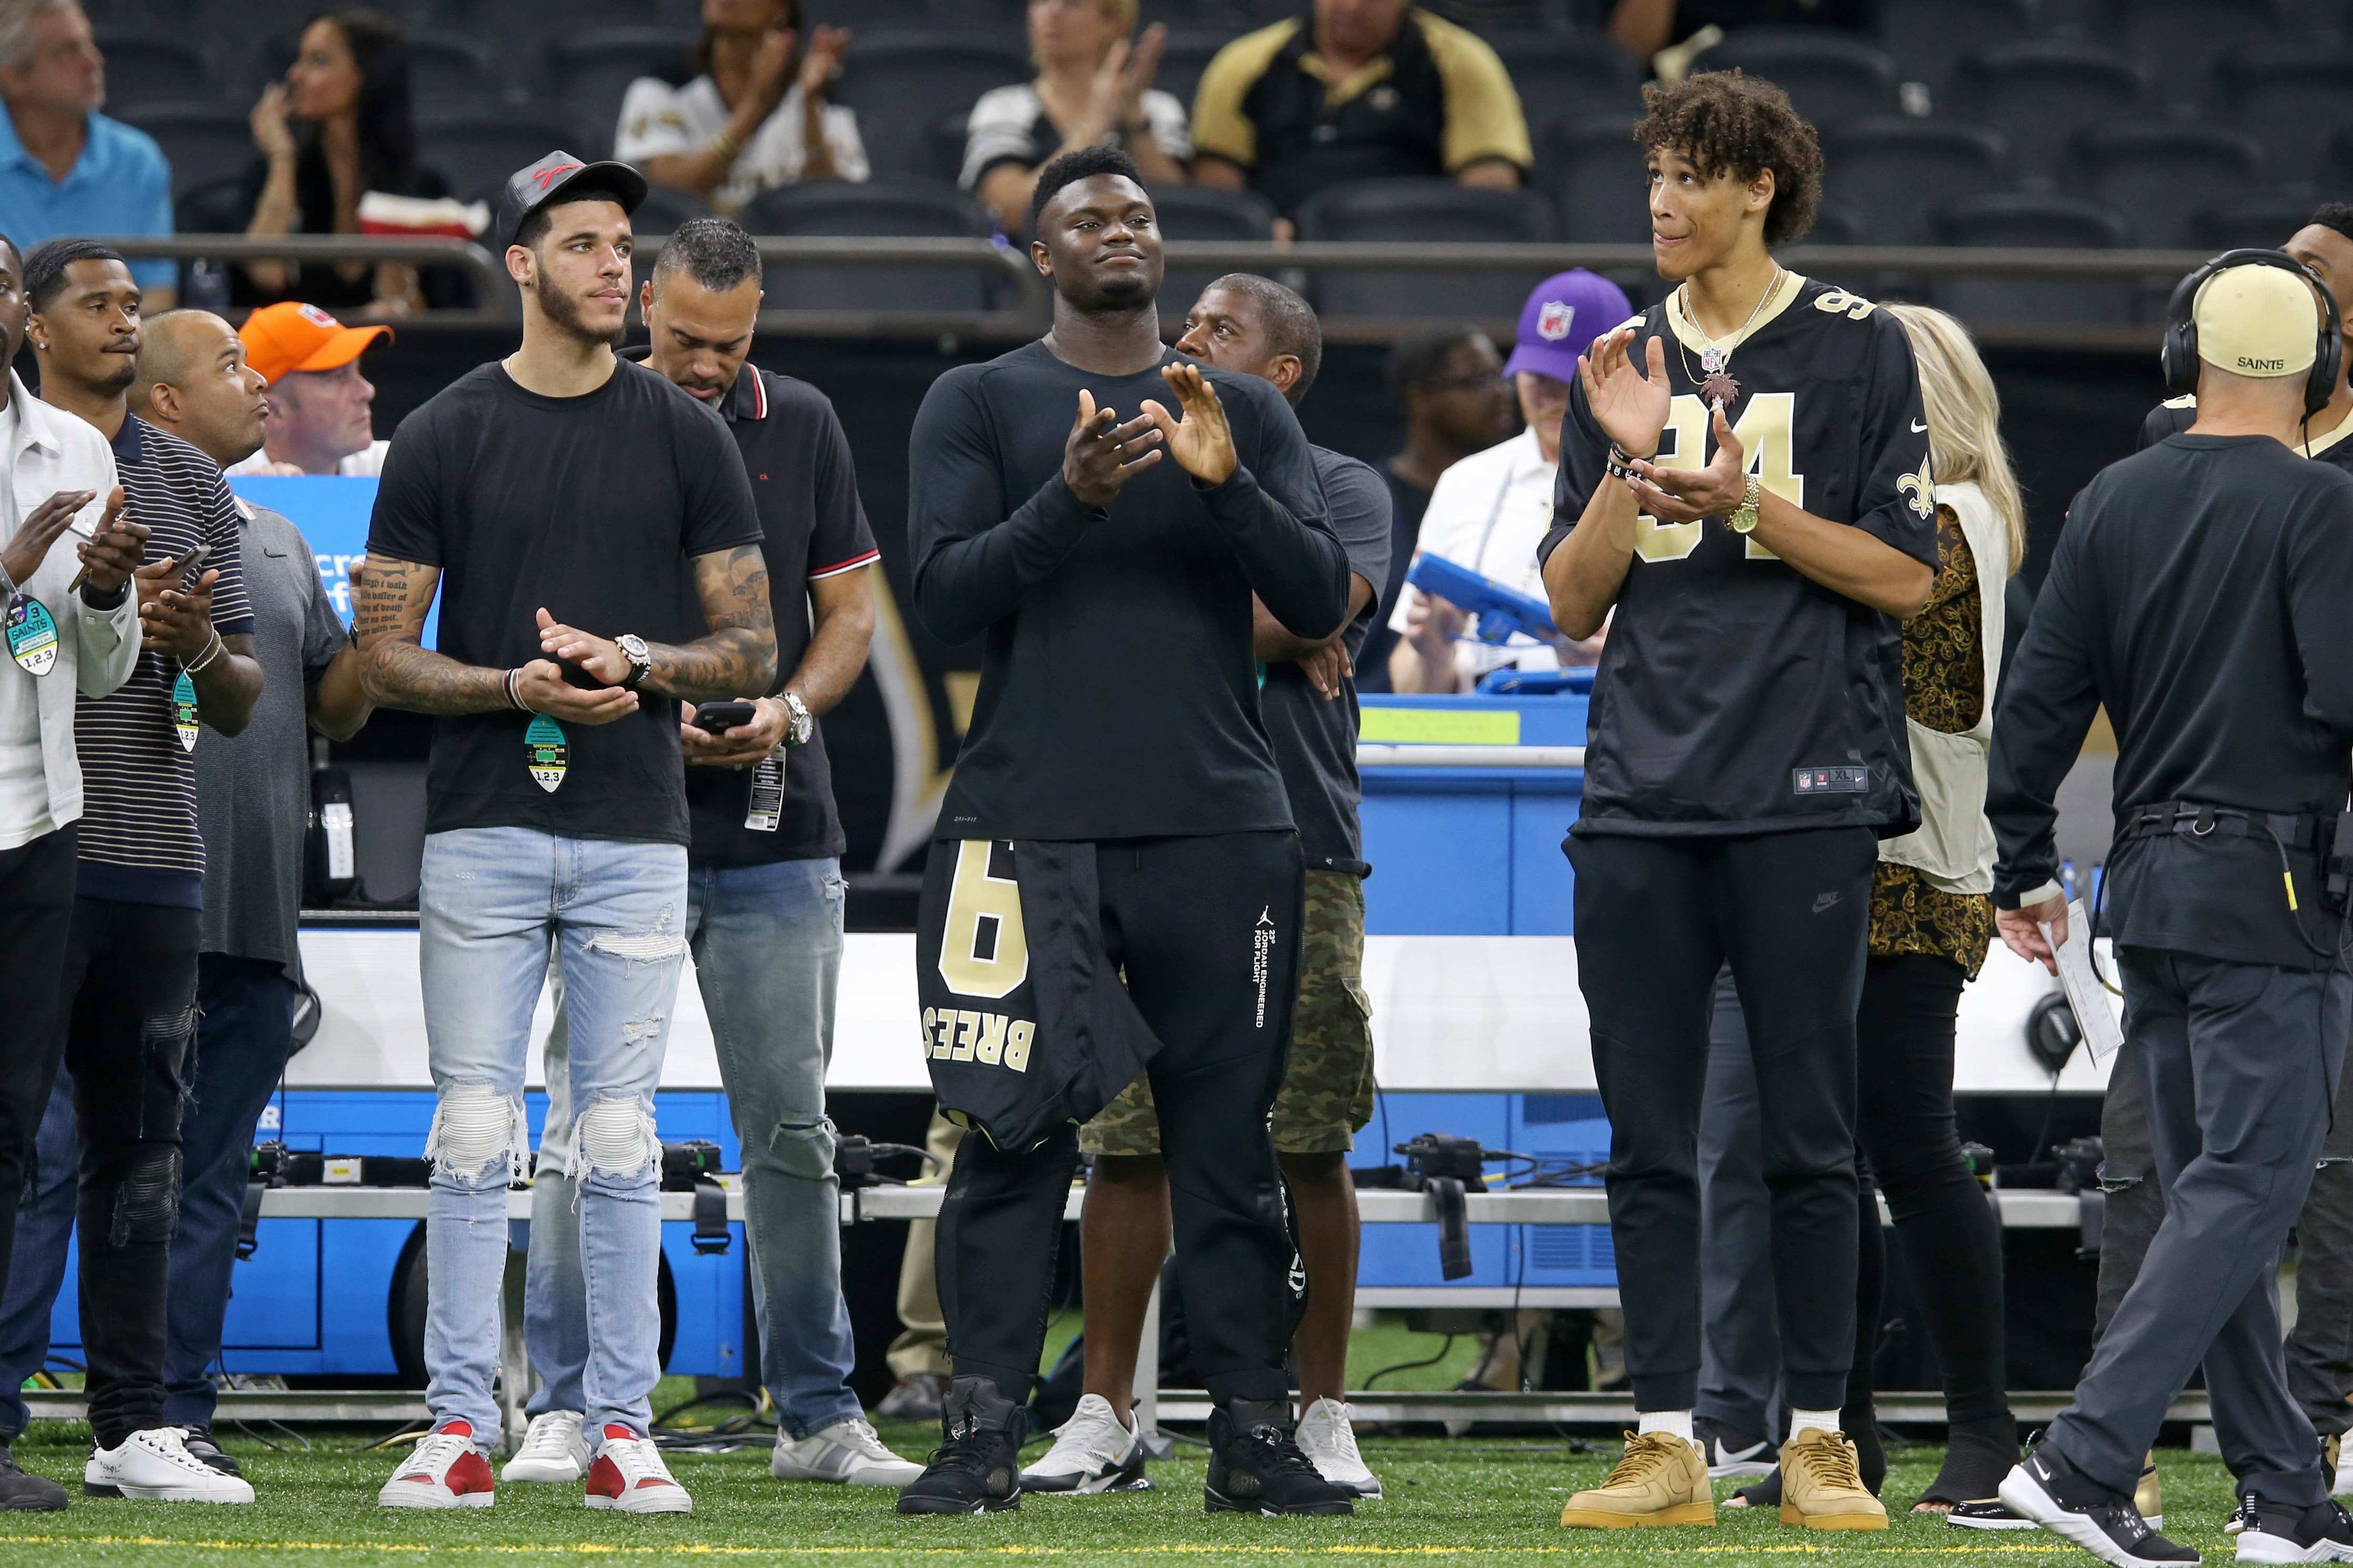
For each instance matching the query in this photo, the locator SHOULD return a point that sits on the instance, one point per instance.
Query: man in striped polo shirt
(135, 923)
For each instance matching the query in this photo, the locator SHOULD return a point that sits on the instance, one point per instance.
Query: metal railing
(1028, 308)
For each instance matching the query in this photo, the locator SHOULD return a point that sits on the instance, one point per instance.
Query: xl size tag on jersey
(184, 710)
(545, 753)
(767, 806)
(32, 635)
(1831, 781)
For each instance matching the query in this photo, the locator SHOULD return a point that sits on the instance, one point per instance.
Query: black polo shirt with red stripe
(813, 528)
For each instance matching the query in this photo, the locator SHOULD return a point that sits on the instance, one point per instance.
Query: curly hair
(1729, 123)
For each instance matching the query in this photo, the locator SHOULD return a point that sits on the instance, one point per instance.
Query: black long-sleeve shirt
(1118, 692)
(2203, 592)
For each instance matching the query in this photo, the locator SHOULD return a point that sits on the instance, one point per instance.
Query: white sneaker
(444, 1470)
(1329, 1442)
(552, 1450)
(629, 1475)
(848, 1452)
(155, 1466)
(1092, 1453)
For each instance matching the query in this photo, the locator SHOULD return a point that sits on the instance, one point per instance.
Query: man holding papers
(2197, 595)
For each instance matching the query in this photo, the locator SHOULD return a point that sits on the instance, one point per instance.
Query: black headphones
(2179, 356)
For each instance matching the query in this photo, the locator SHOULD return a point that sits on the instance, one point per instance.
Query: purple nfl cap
(1562, 318)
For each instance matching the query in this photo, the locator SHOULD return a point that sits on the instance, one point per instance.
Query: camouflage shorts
(1327, 1093)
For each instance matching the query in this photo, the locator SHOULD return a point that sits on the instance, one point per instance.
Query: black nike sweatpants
(1179, 919)
(1655, 917)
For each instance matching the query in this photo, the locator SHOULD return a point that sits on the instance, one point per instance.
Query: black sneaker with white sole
(1256, 1465)
(2054, 1494)
(204, 1446)
(2242, 1516)
(1987, 1513)
(978, 1467)
(2282, 1533)
(1731, 1453)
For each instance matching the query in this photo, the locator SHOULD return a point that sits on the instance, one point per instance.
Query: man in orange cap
(319, 421)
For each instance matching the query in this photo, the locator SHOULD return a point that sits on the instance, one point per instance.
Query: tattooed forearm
(739, 657)
(387, 620)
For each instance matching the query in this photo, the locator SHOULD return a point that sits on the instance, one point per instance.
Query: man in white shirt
(319, 420)
(1489, 511)
(64, 637)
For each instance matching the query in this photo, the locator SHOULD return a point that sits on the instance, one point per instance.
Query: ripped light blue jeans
(496, 904)
(767, 954)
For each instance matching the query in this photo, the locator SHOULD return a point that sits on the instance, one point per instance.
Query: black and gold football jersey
(1736, 695)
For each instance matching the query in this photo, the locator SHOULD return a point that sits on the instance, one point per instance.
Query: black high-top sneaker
(2279, 1532)
(2045, 1487)
(1256, 1467)
(978, 1469)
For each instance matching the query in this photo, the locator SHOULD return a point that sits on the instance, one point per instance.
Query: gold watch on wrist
(1743, 519)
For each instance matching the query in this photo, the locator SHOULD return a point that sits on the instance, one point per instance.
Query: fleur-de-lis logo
(1923, 492)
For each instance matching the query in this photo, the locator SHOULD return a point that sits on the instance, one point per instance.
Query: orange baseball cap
(289, 336)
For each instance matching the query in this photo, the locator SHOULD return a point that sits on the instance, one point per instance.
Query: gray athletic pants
(2320, 1347)
(2239, 1061)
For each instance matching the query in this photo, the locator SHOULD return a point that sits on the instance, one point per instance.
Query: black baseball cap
(528, 190)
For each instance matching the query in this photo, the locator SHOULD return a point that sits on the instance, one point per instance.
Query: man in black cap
(571, 502)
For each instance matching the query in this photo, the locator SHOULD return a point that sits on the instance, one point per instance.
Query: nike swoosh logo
(1919, 429)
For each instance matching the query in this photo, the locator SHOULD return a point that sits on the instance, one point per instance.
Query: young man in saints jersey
(1745, 482)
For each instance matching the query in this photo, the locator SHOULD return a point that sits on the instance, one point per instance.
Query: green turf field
(1474, 1500)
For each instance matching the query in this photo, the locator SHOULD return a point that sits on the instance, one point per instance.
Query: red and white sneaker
(444, 1470)
(629, 1475)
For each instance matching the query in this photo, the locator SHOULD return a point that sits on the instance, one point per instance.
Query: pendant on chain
(1720, 389)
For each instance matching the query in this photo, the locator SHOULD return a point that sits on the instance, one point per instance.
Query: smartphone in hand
(718, 718)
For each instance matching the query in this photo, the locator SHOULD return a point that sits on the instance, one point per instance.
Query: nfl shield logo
(1552, 320)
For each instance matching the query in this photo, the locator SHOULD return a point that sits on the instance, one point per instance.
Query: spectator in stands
(340, 125)
(751, 115)
(65, 168)
(1489, 511)
(1092, 84)
(1450, 387)
(1643, 27)
(319, 421)
(1359, 89)
(253, 797)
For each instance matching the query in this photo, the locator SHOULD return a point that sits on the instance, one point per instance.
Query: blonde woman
(1092, 86)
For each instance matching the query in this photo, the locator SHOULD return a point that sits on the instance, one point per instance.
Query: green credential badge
(544, 753)
(32, 635)
(184, 710)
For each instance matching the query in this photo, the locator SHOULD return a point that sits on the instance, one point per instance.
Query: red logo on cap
(545, 177)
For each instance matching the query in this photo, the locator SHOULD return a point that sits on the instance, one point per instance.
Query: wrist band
(726, 146)
(207, 657)
(515, 688)
(1620, 465)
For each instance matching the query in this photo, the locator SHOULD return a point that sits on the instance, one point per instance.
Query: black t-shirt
(2175, 415)
(592, 506)
(812, 526)
(1315, 739)
(1407, 501)
(1118, 693)
(1737, 695)
(2199, 592)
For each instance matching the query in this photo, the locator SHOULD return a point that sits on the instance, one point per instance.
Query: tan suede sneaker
(1819, 1487)
(1661, 1480)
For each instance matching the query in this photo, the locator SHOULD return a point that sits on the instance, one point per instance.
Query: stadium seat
(2292, 97)
(2158, 173)
(2033, 222)
(2038, 92)
(453, 69)
(205, 142)
(1837, 224)
(142, 68)
(665, 208)
(591, 72)
(1828, 76)
(877, 14)
(1185, 57)
(1436, 210)
(893, 81)
(2263, 221)
(911, 208)
(476, 149)
(2175, 39)
(1594, 174)
(1892, 169)
(1926, 37)
(1566, 76)
(1202, 212)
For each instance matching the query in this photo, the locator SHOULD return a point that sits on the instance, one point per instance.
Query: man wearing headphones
(2198, 593)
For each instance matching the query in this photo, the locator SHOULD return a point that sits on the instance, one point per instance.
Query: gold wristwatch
(1744, 520)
